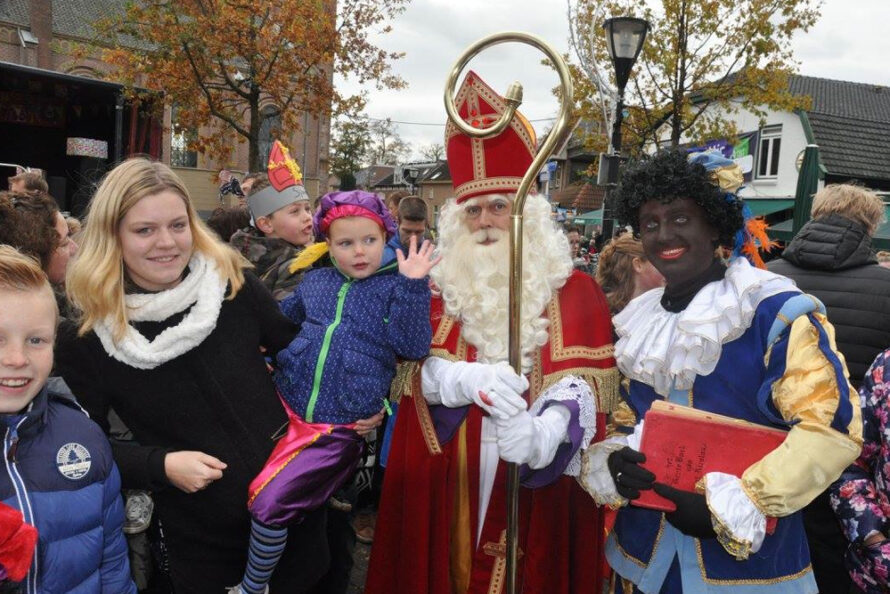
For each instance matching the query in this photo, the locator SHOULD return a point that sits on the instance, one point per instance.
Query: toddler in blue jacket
(355, 319)
(59, 471)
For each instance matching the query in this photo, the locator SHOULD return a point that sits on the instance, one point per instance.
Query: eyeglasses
(496, 208)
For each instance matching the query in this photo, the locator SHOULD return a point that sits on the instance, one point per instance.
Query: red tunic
(430, 500)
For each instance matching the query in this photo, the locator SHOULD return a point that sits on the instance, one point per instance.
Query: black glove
(629, 477)
(692, 518)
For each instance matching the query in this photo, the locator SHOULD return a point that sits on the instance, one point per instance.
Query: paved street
(360, 569)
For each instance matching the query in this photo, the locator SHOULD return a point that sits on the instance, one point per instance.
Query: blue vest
(643, 544)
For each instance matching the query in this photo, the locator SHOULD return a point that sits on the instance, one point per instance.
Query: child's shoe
(139, 507)
(237, 590)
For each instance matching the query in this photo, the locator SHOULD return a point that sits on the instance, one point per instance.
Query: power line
(436, 124)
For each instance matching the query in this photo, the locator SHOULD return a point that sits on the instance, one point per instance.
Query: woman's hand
(192, 471)
(365, 426)
(419, 262)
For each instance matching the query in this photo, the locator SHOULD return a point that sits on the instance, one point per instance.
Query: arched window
(180, 139)
(270, 131)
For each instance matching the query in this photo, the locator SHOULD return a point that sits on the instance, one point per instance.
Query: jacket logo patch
(73, 461)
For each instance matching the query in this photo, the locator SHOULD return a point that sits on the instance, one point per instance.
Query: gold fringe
(738, 548)
(606, 384)
(308, 257)
(401, 383)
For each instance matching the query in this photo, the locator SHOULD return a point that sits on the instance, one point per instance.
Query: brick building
(37, 40)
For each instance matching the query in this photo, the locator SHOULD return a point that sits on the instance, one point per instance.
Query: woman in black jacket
(169, 336)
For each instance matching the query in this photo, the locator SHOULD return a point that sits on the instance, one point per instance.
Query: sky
(850, 42)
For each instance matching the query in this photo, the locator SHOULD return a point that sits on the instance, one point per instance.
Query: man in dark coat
(831, 258)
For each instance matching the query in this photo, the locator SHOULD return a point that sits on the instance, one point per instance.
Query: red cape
(561, 530)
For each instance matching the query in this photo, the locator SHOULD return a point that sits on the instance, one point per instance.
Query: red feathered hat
(493, 165)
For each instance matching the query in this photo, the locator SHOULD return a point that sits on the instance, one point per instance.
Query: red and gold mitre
(491, 165)
(283, 170)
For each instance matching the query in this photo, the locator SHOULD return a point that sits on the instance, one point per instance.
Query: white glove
(524, 439)
(459, 383)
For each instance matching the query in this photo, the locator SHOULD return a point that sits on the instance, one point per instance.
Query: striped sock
(266, 546)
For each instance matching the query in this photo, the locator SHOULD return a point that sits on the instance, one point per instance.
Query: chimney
(42, 29)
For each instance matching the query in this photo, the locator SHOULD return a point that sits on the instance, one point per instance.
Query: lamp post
(624, 39)
(410, 175)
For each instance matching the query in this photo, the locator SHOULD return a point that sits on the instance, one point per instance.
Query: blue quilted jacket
(59, 473)
(339, 367)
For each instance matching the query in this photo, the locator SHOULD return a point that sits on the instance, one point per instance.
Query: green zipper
(325, 348)
(329, 334)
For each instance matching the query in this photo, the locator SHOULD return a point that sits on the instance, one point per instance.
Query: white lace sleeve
(739, 525)
(595, 477)
(571, 388)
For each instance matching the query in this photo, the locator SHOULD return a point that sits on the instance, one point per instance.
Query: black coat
(217, 398)
(832, 259)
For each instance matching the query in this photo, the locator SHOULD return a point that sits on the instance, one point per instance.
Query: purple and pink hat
(354, 203)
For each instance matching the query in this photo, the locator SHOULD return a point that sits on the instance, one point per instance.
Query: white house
(850, 122)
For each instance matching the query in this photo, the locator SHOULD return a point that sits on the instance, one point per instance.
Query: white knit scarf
(203, 286)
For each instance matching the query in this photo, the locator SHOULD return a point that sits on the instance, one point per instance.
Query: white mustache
(483, 235)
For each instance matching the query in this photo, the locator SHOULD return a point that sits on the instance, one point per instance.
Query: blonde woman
(169, 335)
(624, 272)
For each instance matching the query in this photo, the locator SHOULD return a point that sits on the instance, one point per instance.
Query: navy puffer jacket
(58, 471)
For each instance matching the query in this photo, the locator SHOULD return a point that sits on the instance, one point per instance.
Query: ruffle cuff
(571, 389)
(595, 477)
(739, 525)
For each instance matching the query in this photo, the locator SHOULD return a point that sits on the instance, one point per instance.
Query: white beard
(474, 279)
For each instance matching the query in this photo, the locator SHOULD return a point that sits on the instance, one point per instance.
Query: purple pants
(308, 465)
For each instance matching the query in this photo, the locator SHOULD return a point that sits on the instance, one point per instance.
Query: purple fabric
(366, 200)
(310, 478)
(544, 476)
(447, 420)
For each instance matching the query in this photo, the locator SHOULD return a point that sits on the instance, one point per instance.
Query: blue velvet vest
(643, 544)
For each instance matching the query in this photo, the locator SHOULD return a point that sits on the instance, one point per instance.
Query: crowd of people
(230, 377)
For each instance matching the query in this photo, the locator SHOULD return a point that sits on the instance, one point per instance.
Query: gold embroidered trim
(477, 148)
(401, 383)
(444, 354)
(498, 550)
(737, 547)
(424, 419)
(605, 383)
(746, 582)
(752, 496)
(472, 93)
(633, 559)
(443, 329)
(503, 183)
(558, 352)
(460, 355)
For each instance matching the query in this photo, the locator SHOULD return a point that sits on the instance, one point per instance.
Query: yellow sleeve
(814, 454)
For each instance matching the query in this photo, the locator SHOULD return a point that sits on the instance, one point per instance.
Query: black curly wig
(667, 176)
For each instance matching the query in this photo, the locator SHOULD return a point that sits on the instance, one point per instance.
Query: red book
(683, 444)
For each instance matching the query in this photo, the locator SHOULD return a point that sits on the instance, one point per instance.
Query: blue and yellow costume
(751, 346)
(782, 370)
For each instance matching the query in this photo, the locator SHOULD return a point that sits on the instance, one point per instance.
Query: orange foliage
(222, 61)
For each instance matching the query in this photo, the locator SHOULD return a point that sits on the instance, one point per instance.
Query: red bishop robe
(425, 539)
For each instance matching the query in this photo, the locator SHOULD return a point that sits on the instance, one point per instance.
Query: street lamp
(410, 175)
(624, 39)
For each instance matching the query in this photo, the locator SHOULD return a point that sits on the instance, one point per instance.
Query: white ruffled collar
(668, 350)
(203, 287)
